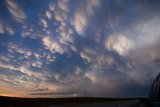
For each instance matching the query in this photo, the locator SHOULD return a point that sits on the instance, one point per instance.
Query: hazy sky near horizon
(54, 48)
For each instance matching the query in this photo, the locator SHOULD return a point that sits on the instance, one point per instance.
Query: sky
(60, 48)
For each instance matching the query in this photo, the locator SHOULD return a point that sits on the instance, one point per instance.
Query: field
(73, 102)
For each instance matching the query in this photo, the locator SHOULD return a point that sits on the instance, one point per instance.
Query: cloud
(9, 88)
(1, 28)
(23, 69)
(48, 14)
(148, 32)
(22, 85)
(31, 31)
(83, 14)
(119, 43)
(44, 22)
(41, 90)
(10, 31)
(139, 42)
(63, 4)
(38, 56)
(4, 58)
(52, 6)
(32, 80)
(97, 60)
(15, 48)
(51, 93)
(80, 22)
(52, 45)
(6, 28)
(27, 56)
(105, 84)
(37, 64)
(91, 76)
(104, 46)
(16, 11)
(8, 67)
(63, 33)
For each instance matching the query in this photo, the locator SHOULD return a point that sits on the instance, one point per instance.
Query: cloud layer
(64, 47)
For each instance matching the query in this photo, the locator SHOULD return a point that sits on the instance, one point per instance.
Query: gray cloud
(6, 28)
(52, 45)
(51, 93)
(16, 11)
(84, 14)
(1, 28)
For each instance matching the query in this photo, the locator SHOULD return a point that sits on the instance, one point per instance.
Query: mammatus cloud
(106, 47)
(97, 59)
(32, 30)
(37, 64)
(10, 31)
(30, 80)
(52, 6)
(1, 28)
(80, 22)
(62, 36)
(5, 28)
(24, 69)
(119, 43)
(52, 45)
(48, 14)
(3, 58)
(31, 58)
(84, 14)
(16, 11)
(15, 48)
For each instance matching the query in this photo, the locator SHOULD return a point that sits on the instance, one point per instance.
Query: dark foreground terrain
(73, 102)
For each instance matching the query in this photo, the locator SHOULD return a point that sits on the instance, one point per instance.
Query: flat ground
(73, 102)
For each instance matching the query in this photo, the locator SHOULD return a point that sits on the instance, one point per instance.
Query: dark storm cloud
(47, 93)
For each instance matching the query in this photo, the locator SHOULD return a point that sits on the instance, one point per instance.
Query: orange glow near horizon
(6, 95)
(15, 95)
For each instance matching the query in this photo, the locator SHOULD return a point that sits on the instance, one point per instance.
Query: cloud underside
(16, 11)
(104, 47)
